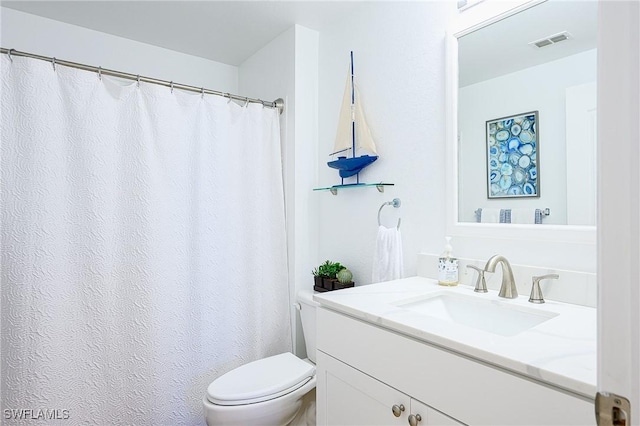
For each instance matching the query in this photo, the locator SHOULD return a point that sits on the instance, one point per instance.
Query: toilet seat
(260, 380)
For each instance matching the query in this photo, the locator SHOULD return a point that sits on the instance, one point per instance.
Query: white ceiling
(223, 31)
(503, 47)
(232, 31)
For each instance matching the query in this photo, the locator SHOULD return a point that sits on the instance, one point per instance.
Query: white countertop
(560, 351)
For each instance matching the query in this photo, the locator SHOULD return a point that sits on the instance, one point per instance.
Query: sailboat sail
(364, 140)
(353, 136)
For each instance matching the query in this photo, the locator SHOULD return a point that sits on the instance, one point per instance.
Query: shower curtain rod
(278, 103)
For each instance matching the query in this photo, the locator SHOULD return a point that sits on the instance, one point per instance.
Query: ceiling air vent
(552, 39)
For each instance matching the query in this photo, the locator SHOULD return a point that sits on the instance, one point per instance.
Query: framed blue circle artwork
(512, 156)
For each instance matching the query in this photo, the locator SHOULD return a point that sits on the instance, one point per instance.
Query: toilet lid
(260, 380)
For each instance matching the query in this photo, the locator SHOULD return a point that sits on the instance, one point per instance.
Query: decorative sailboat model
(353, 135)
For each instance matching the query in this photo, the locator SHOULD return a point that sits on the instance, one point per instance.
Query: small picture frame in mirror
(512, 156)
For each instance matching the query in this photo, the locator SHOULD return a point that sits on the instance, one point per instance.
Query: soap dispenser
(448, 266)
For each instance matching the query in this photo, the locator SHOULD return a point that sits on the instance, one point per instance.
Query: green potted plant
(330, 276)
(317, 278)
(332, 269)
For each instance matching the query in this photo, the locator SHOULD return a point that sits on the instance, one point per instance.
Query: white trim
(467, 4)
(488, 13)
(618, 201)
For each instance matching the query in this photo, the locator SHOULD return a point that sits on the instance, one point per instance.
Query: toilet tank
(308, 318)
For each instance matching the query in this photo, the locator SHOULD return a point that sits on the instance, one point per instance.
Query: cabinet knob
(414, 419)
(397, 410)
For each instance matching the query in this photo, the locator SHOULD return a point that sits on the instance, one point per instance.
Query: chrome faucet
(508, 287)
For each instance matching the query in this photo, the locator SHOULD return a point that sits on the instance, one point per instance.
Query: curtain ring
(246, 102)
(53, 63)
(228, 96)
(202, 92)
(9, 54)
(171, 85)
(100, 73)
(138, 80)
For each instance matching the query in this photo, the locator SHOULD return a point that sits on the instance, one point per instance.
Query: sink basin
(493, 316)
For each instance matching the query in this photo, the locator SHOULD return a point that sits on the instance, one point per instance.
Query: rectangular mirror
(527, 117)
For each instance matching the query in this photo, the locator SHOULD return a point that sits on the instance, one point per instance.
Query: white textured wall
(42, 36)
(540, 88)
(399, 65)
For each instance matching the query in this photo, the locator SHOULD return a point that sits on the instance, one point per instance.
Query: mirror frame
(490, 13)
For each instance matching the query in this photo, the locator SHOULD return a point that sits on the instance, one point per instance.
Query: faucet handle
(481, 284)
(536, 292)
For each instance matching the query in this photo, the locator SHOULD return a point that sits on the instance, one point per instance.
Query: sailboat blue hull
(350, 166)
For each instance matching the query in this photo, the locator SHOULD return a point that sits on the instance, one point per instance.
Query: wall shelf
(334, 189)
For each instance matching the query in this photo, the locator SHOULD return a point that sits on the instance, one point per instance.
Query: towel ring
(395, 203)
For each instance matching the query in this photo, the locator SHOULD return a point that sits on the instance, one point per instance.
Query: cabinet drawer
(468, 390)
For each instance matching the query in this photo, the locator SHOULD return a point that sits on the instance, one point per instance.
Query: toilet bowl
(268, 391)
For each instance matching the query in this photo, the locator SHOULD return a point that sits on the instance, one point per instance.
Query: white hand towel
(523, 215)
(387, 262)
(490, 216)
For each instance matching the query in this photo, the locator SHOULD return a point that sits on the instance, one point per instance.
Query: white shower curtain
(143, 246)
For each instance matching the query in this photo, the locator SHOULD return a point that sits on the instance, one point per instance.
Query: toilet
(268, 391)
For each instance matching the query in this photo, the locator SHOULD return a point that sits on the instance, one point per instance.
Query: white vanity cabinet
(363, 370)
(351, 397)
